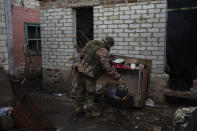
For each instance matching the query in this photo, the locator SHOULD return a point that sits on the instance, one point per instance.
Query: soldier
(95, 60)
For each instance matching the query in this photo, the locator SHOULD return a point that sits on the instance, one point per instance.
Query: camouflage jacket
(99, 63)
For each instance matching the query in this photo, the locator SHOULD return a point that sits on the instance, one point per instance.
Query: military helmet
(109, 40)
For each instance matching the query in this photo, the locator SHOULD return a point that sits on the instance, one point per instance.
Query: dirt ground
(60, 110)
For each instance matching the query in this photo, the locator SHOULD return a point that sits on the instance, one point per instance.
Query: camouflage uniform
(95, 60)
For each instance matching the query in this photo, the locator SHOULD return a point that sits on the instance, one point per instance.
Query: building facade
(3, 36)
(14, 16)
(139, 29)
(26, 24)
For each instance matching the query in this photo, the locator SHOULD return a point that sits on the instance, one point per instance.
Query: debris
(4, 111)
(6, 122)
(156, 128)
(156, 119)
(6, 93)
(28, 115)
(149, 102)
(181, 113)
(185, 119)
(137, 118)
(57, 94)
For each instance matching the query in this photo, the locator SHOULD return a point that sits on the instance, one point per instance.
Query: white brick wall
(139, 30)
(57, 38)
(3, 38)
(27, 3)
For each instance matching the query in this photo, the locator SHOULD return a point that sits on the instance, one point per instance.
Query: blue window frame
(33, 39)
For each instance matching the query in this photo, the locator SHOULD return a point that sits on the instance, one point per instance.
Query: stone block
(118, 21)
(98, 22)
(129, 39)
(128, 21)
(145, 34)
(135, 17)
(163, 20)
(134, 25)
(108, 22)
(151, 57)
(153, 30)
(153, 20)
(97, 14)
(118, 30)
(102, 26)
(141, 11)
(159, 25)
(161, 6)
(160, 15)
(124, 8)
(140, 56)
(123, 26)
(139, 48)
(129, 12)
(140, 39)
(154, 11)
(123, 34)
(147, 16)
(112, 26)
(146, 25)
(152, 48)
(140, 30)
(113, 17)
(107, 30)
(51, 10)
(158, 53)
(107, 14)
(123, 52)
(124, 17)
(134, 52)
(159, 35)
(149, 6)
(136, 7)
(157, 62)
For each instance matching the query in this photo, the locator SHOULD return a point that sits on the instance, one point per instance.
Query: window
(33, 42)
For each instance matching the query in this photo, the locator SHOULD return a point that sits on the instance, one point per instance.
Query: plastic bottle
(5, 110)
(76, 57)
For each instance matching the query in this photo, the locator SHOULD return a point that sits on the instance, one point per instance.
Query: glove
(122, 90)
(120, 81)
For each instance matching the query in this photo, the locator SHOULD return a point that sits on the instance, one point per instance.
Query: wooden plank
(180, 94)
(28, 115)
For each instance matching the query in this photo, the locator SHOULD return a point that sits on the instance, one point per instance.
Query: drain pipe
(9, 36)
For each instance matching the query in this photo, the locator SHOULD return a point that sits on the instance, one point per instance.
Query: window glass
(33, 41)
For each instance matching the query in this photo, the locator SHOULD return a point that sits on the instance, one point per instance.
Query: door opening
(84, 20)
(181, 44)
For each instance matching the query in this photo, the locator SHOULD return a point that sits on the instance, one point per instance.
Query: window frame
(32, 39)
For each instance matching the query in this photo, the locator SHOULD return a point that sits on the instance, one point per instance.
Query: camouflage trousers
(86, 97)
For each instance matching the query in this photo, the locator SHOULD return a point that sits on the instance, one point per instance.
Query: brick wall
(57, 42)
(3, 38)
(20, 15)
(138, 28)
(46, 4)
(26, 3)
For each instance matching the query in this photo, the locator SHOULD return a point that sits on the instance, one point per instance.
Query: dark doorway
(182, 43)
(84, 25)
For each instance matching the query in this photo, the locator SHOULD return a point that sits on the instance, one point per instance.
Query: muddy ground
(60, 110)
